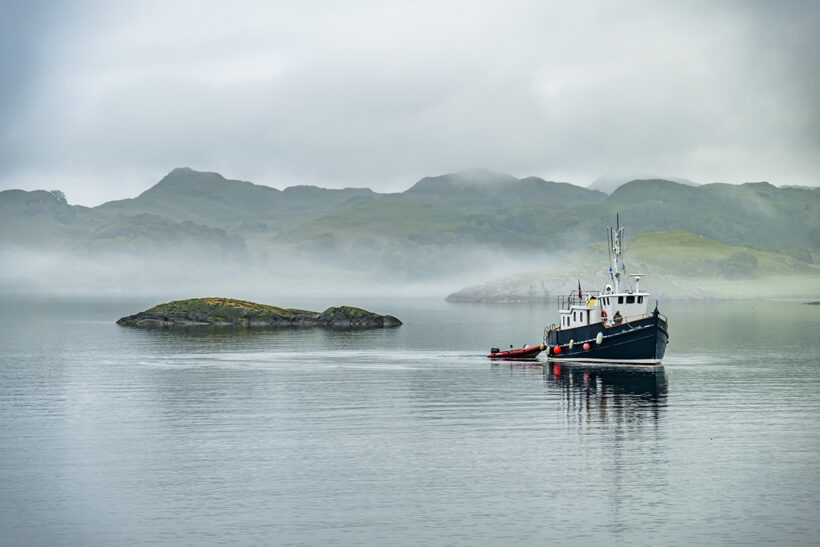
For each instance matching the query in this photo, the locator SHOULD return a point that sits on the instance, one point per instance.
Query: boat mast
(615, 237)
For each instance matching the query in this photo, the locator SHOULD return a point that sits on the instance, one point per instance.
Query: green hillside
(210, 198)
(437, 227)
(444, 216)
(42, 219)
(756, 214)
(185, 194)
(677, 265)
(147, 235)
(484, 190)
(695, 256)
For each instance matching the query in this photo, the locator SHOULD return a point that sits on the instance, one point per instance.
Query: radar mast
(616, 235)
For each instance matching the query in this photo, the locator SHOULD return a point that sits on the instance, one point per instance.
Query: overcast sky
(101, 99)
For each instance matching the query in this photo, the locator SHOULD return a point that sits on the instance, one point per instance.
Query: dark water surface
(115, 435)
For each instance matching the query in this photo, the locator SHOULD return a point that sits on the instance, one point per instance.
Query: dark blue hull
(640, 341)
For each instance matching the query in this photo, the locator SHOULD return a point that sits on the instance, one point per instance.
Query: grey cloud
(373, 93)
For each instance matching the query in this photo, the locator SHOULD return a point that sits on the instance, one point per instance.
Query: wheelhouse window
(640, 300)
(630, 299)
(620, 300)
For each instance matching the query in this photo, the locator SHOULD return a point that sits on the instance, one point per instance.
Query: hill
(210, 198)
(609, 183)
(756, 214)
(482, 190)
(445, 226)
(185, 194)
(678, 264)
(148, 235)
(439, 220)
(42, 219)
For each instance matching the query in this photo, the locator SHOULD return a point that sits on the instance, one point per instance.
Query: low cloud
(108, 97)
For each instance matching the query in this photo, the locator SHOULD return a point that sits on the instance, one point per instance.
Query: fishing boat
(609, 326)
(527, 353)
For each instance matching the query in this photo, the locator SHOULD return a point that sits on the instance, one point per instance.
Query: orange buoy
(586, 345)
(557, 350)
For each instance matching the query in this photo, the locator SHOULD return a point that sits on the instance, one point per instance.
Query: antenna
(615, 250)
(609, 247)
(622, 230)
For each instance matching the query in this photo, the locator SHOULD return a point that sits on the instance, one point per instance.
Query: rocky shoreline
(228, 312)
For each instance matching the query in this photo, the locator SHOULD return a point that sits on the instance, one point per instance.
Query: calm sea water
(410, 436)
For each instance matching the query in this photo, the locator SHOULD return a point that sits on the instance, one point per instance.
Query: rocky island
(228, 312)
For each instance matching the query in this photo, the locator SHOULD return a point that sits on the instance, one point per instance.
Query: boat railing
(566, 301)
(635, 317)
(547, 330)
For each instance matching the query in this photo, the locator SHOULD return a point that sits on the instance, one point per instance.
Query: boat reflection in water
(605, 394)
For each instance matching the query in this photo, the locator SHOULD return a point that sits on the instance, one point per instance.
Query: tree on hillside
(60, 195)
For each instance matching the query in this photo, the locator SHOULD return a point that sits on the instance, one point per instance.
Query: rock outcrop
(228, 312)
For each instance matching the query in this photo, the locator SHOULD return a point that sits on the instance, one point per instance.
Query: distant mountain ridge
(433, 228)
(610, 183)
(185, 194)
(487, 189)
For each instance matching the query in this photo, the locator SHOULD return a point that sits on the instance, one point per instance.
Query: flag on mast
(579, 290)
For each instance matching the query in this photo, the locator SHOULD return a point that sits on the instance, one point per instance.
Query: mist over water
(198, 231)
(186, 273)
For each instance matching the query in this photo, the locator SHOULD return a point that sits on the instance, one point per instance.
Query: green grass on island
(230, 311)
(222, 309)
